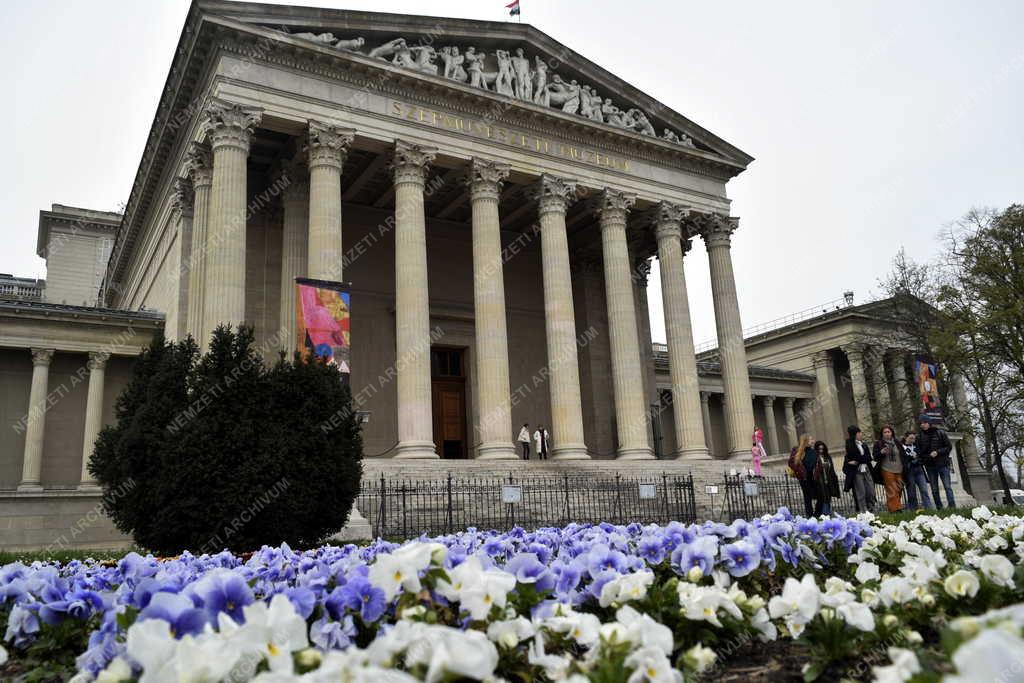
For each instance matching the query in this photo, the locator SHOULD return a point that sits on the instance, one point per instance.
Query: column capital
(411, 162)
(485, 178)
(327, 145)
(553, 194)
(613, 205)
(822, 359)
(199, 164)
(705, 396)
(98, 359)
(230, 125)
(854, 351)
(717, 230)
(788, 401)
(42, 357)
(182, 197)
(768, 400)
(296, 172)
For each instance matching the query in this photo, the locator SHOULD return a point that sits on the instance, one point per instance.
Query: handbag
(876, 473)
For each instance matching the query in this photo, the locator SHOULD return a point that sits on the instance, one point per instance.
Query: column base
(415, 450)
(635, 454)
(739, 454)
(693, 454)
(572, 451)
(981, 486)
(89, 487)
(496, 451)
(30, 487)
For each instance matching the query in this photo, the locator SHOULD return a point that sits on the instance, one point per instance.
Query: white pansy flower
(904, 666)
(857, 615)
(649, 664)
(554, 666)
(981, 512)
(996, 543)
(997, 569)
(798, 603)
(867, 571)
(118, 670)
(511, 632)
(450, 653)
(994, 655)
(962, 583)
(626, 587)
(895, 590)
(644, 631)
(700, 658)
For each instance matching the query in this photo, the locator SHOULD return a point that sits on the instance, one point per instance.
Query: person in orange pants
(890, 457)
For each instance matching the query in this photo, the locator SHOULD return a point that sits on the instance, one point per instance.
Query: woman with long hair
(890, 456)
(857, 468)
(829, 479)
(807, 468)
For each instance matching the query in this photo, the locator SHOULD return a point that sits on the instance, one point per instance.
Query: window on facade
(446, 362)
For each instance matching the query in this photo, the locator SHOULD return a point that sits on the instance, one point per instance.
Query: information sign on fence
(510, 495)
(648, 491)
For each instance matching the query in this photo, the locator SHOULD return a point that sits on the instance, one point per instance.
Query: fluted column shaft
(682, 360)
(705, 410)
(412, 304)
(790, 419)
(859, 384)
(631, 416)
(553, 197)
(93, 413)
(328, 148)
(739, 410)
(827, 398)
(230, 129)
(32, 464)
(970, 448)
(770, 430)
(492, 377)
(199, 167)
(881, 386)
(294, 250)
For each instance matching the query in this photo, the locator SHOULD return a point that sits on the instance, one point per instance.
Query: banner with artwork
(322, 319)
(926, 375)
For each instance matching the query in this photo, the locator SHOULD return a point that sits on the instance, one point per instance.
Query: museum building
(493, 200)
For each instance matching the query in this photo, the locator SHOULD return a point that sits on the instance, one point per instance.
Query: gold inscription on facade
(508, 136)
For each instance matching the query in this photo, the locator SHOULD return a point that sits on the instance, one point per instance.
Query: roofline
(43, 309)
(191, 30)
(75, 216)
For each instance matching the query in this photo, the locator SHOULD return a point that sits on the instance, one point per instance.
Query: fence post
(566, 476)
(448, 520)
(664, 488)
(618, 496)
(405, 515)
(382, 513)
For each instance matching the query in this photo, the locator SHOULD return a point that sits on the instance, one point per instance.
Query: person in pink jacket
(757, 451)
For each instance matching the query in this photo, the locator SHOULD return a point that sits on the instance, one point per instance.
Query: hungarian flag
(513, 8)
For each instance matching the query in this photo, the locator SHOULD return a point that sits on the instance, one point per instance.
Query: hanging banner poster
(322, 319)
(926, 375)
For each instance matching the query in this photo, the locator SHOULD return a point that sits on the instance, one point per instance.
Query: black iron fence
(405, 508)
(749, 497)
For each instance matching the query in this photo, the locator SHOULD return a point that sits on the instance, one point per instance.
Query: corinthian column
(691, 443)
(182, 203)
(294, 247)
(881, 384)
(790, 423)
(199, 168)
(93, 413)
(412, 304)
(327, 149)
(739, 410)
(32, 463)
(631, 415)
(553, 197)
(859, 383)
(705, 411)
(229, 128)
(827, 399)
(495, 422)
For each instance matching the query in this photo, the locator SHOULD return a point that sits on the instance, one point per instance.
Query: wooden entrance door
(448, 380)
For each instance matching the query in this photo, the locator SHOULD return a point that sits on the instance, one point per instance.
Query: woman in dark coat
(807, 468)
(829, 480)
(857, 468)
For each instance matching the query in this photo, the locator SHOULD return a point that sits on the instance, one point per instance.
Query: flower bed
(848, 597)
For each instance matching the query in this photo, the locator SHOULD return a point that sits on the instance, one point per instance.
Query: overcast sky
(873, 123)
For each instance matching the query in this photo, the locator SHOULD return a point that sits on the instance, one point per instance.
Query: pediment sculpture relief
(512, 74)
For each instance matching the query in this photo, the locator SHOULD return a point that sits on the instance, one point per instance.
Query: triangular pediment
(506, 59)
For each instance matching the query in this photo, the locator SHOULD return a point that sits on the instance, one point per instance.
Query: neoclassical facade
(493, 200)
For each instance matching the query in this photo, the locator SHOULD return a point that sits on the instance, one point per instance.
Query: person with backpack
(915, 475)
(806, 467)
(829, 479)
(933, 447)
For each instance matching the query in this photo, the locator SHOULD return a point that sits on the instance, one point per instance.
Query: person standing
(889, 456)
(914, 475)
(758, 451)
(541, 442)
(857, 468)
(829, 479)
(806, 467)
(933, 447)
(524, 440)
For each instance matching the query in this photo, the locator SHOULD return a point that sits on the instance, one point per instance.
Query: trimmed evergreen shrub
(221, 451)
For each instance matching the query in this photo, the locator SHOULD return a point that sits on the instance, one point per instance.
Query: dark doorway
(448, 394)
